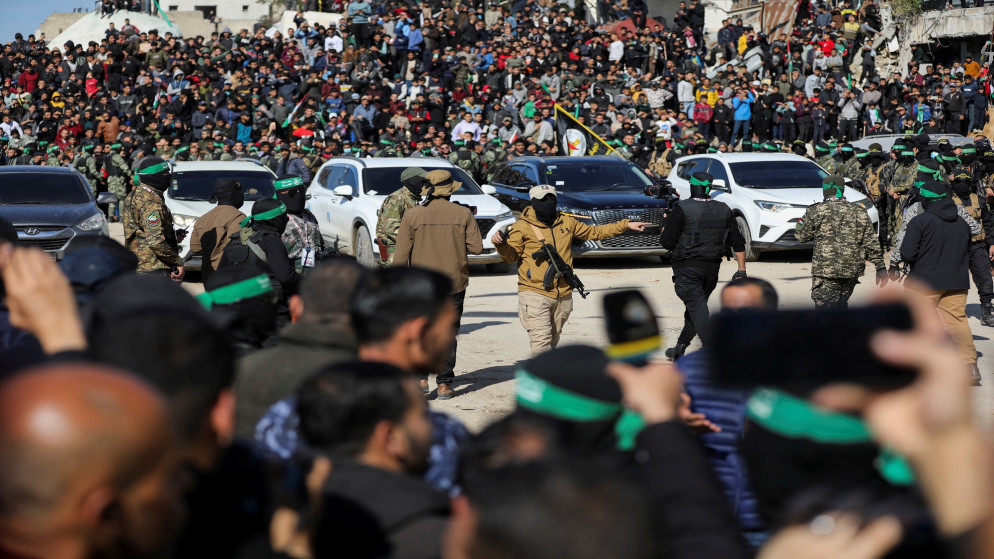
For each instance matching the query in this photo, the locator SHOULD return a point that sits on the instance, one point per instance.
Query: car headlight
(92, 223)
(503, 216)
(777, 206)
(184, 220)
(575, 212)
(865, 203)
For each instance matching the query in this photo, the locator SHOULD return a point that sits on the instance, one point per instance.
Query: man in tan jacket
(439, 235)
(543, 312)
(214, 229)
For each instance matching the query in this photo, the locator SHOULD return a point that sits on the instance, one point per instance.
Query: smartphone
(632, 329)
(805, 349)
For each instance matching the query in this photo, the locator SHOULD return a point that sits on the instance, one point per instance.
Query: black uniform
(276, 264)
(697, 234)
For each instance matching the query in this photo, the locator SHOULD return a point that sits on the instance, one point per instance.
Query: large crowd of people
(286, 411)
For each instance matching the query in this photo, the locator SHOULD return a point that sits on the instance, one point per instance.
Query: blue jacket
(743, 107)
(725, 408)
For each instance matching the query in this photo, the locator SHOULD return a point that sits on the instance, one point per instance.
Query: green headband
(936, 174)
(845, 149)
(793, 417)
(182, 149)
(275, 212)
(115, 146)
(696, 182)
(539, 396)
(289, 183)
(930, 194)
(820, 148)
(907, 152)
(839, 188)
(969, 150)
(153, 169)
(230, 294)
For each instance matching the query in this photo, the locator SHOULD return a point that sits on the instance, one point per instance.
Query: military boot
(987, 314)
(676, 351)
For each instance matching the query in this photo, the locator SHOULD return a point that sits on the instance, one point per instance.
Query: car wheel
(751, 255)
(364, 248)
(499, 268)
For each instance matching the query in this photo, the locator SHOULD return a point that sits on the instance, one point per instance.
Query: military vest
(660, 163)
(904, 177)
(704, 230)
(975, 210)
(873, 180)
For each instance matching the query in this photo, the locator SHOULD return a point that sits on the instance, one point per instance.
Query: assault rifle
(558, 269)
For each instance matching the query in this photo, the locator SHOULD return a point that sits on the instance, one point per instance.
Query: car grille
(631, 239)
(485, 225)
(44, 237)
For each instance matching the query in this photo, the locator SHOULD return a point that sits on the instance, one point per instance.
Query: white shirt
(333, 43)
(12, 125)
(615, 51)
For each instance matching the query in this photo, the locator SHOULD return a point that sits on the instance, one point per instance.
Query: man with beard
(544, 310)
(393, 209)
(371, 421)
(148, 223)
(981, 251)
(214, 229)
(302, 237)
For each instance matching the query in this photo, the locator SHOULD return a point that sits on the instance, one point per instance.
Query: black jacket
(269, 375)
(372, 513)
(277, 265)
(937, 245)
(673, 231)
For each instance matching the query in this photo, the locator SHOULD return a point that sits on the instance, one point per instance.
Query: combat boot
(676, 351)
(987, 314)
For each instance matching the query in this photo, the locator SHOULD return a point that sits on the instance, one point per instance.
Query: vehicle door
(344, 186)
(325, 204)
(525, 177)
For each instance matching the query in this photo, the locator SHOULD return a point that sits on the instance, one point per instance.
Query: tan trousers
(952, 309)
(543, 317)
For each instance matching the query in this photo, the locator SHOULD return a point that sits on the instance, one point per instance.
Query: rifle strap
(538, 233)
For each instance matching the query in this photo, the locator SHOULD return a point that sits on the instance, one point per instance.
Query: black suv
(595, 190)
(49, 206)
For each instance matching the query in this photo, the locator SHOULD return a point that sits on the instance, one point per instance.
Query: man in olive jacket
(320, 335)
(543, 312)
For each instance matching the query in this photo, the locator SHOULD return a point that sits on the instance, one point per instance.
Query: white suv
(767, 192)
(188, 197)
(346, 195)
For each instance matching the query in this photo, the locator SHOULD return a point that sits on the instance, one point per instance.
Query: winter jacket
(438, 237)
(743, 107)
(726, 408)
(937, 244)
(522, 243)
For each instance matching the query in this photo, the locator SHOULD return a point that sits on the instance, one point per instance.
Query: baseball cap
(541, 191)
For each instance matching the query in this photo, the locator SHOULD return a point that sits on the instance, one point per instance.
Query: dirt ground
(492, 341)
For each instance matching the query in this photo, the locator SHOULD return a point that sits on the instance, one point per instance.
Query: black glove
(882, 277)
(739, 275)
(895, 272)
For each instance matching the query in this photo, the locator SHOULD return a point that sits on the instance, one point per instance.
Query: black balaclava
(822, 149)
(799, 148)
(847, 151)
(545, 209)
(155, 172)
(906, 155)
(228, 192)
(962, 183)
(700, 185)
(276, 224)
(247, 322)
(968, 155)
(291, 190)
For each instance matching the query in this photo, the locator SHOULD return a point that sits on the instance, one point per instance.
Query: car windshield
(43, 188)
(781, 174)
(600, 175)
(199, 185)
(385, 180)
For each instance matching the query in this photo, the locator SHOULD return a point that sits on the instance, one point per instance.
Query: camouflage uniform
(94, 171)
(491, 159)
(148, 230)
(301, 233)
(313, 162)
(118, 175)
(391, 212)
(467, 160)
(844, 239)
(851, 169)
(830, 164)
(901, 182)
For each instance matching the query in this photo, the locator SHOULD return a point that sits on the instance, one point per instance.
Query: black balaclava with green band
(833, 186)
(700, 185)
(847, 151)
(962, 183)
(290, 190)
(267, 213)
(154, 172)
(246, 302)
(968, 155)
(906, 156)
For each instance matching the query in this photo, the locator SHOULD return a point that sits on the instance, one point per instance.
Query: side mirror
(720, 184)
(488, 190)
(343, 190)
(106, 198)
